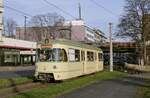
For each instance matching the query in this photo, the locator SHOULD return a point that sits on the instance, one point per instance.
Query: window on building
(90, 36)
(100, 56)
(90, 56)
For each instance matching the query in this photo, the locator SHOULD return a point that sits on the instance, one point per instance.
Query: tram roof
(70, 43)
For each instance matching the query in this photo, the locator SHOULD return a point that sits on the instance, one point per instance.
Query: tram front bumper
(45, 76)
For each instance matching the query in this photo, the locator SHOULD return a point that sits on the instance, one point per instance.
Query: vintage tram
(64, 59)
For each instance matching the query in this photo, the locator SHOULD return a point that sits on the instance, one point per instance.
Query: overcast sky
(93, 15)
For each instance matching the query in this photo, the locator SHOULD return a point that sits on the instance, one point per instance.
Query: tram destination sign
(46, 46)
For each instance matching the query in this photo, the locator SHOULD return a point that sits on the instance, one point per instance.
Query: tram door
(83, 60)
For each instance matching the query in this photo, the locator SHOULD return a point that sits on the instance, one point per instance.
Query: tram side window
(77, 55)
(51, 55)
(90, 56)
(63, 55)
(74, 55)
(71, 54)
(100, 56)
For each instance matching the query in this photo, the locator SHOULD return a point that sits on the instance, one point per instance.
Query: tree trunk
(144, 35)
(145, 53)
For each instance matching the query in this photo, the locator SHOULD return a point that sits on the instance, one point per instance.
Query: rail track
(9, 91)
(16, 89)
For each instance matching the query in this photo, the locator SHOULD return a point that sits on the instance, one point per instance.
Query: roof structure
(17, 44)
(70, 43)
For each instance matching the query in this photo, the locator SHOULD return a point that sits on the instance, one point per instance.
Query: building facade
(39, 33)
(99, 36)
(75, 30)
(81, 32)
(89, 35)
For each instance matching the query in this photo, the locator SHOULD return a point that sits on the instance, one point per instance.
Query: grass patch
(143, 92)
(67, 86)
(14, 81)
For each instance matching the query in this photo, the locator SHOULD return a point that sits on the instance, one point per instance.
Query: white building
(81, 32)
(89, 34)
(99, 36)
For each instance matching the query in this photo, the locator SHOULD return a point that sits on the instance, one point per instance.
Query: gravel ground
(114, 88)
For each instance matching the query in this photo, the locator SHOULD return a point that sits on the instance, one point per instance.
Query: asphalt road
(14, 74)
(16, 71)
(114, 88)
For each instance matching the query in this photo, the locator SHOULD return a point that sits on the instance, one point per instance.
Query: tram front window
(51, 55)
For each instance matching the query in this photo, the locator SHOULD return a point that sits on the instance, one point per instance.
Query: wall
(77, 29)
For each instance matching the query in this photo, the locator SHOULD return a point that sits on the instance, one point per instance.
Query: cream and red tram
(64, 59)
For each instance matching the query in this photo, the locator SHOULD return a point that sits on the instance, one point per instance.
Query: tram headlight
(54, 67)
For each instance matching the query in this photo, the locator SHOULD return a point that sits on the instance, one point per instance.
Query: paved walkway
(143, 75)
(114, 88)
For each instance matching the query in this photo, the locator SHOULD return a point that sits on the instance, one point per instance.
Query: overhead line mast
(111, 47)
(80, 13)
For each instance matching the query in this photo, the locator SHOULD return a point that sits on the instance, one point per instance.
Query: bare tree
(134, 22)
(10, 27)
(44, 25)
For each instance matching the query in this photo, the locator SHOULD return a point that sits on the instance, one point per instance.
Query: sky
(93, 15)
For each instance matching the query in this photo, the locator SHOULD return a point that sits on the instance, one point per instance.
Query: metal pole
(111, 47)
(80, 17)
(25, 27)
